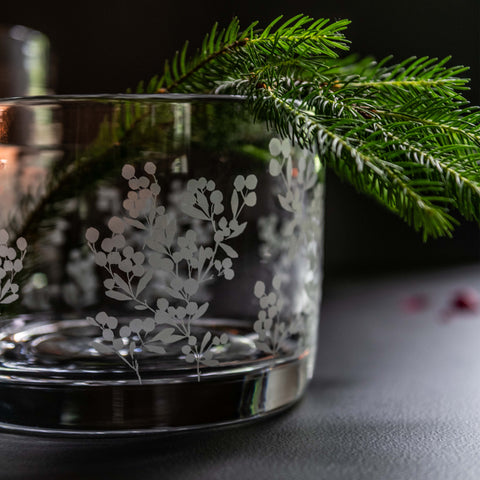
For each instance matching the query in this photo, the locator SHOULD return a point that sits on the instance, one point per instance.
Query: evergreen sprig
(401, 133)
(230, 50)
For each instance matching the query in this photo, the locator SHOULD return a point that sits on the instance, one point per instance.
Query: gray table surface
(396, 395)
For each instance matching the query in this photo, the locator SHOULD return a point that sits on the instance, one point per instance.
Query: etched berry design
(186, 264)
(11, 263)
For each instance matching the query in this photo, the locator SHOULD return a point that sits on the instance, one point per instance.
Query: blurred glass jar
(159, 265)
(25, 64)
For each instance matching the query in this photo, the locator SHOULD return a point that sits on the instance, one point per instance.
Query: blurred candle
(25, 70)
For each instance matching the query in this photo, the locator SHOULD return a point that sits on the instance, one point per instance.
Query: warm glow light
(9, 190)
(8, 155)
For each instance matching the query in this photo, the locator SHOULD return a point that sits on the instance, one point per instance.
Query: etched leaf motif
(234, 203)
(202, 201)
(167, 335)
(5, 288)
(238, 230)
(156, 349)
(142, 283)
(101, 348)
(9, 299)
(174, 293)
(201, 311)
(133, 222)
(228, 250)
(194, 212)
(120, 282)
(202, 258)
(92, 321)
(154, 243)
(289, 172)
(140, 307)
(206, 339)
(117, 295)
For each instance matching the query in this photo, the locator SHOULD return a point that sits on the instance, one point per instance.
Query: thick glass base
(44, 393)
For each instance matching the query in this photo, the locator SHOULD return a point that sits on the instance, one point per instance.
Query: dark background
(107, 46)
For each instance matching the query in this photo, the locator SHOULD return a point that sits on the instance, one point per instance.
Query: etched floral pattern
(11, 263)
(188, 265)
(294, 239)
(163, 261)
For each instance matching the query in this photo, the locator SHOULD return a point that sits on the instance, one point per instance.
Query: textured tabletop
(396, 395)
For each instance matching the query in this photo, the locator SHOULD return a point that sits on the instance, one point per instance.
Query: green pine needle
(400, 133)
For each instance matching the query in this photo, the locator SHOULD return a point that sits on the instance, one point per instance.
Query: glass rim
(110, 97)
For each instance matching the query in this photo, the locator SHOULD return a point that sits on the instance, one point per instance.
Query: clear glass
(159, 264)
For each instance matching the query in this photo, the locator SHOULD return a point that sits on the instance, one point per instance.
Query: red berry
(466, 300)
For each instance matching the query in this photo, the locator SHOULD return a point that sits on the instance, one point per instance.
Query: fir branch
(413, 74)
(461, 128)
(458, 175)
(222, 52)
(214, 45)
(380, 180)
(400, 133)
